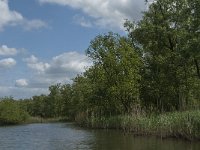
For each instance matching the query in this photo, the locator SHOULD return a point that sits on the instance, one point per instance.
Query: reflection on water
(62, 136)
(107, 140)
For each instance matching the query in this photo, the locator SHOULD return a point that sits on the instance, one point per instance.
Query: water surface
(66, 136)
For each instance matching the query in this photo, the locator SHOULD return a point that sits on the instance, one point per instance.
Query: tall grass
(177, 124)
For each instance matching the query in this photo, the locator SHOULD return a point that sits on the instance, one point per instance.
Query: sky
(43, 42)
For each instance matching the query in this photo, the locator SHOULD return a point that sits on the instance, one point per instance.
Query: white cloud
(21, 83)
(33, 63)
(7, 16)
(6, 51)
(42, 74)
(19, 93)
(82, 21)
(69, 62)
(106, 13)
(7, 63)
(12, 18)
(39, 66)
(34, 24)
(31, 60)
(60, 69)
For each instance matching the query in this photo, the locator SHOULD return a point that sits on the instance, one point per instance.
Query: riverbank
(61, 136)
(45, 120)
(32, 120)
(184, 125)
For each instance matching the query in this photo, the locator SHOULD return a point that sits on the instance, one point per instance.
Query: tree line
(154, 69)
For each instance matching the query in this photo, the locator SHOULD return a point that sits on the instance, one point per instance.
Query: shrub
(11, 113)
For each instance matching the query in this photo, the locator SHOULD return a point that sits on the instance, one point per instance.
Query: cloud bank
(61, 68)
(41, 74)
(12, 18)
(104, 13)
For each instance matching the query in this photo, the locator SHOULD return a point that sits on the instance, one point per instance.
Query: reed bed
(175, 124)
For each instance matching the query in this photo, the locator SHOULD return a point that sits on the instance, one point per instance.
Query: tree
(66, 95)
(55, 100)
(168, 38)
(115, 74)
(11, 113)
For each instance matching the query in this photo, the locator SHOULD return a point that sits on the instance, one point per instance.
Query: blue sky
(43, 42)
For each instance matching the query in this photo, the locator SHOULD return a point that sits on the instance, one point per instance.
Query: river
(66, 136)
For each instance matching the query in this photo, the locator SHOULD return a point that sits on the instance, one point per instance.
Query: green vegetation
(11, 113)
(176, 124)
(31, 120)
(147, 82)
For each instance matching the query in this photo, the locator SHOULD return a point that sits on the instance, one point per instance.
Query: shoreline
(32, 120)
(45, 120)
(180, 125)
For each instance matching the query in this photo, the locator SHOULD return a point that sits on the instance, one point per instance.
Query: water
(65, 136)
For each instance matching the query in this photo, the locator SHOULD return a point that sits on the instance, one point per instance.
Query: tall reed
(176, 124)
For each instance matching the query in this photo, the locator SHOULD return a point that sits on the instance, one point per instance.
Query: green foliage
(56, 104)
(168, 37)
(155, 69)
(177, 124)
(115, 75)
(10, 112)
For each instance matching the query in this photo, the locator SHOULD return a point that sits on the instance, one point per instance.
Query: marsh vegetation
(147, 82)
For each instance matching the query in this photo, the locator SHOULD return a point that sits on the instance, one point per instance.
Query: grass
(176, 124)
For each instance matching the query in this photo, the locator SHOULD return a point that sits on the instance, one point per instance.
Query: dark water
(62, 136)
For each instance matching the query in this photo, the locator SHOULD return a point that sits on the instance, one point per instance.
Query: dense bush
(11, 113)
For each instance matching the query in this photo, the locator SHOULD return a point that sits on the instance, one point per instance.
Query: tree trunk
(197, 67)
